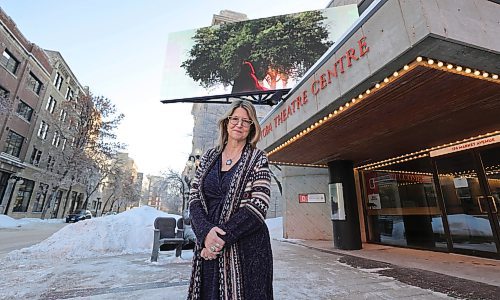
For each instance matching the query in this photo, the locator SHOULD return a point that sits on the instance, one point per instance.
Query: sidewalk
(300, 272)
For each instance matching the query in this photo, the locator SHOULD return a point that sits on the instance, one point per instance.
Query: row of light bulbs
(297, 164)
(419, 61)
(405, 172)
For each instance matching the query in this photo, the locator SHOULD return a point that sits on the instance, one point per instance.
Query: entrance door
(470, 186)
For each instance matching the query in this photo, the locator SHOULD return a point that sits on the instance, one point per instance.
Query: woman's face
(240, 130)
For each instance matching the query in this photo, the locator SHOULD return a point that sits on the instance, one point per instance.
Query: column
(346, 232)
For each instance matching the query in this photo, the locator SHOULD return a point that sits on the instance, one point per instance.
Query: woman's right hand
(213, 242)
(206, 254)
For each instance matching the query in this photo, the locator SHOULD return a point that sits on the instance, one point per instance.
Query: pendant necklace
(229, 161)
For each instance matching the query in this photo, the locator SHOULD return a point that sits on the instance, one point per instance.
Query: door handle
(493, 200)
(479, 203)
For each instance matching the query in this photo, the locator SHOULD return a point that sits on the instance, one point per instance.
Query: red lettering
(363, 47)
(314, 89)
(331, 74)
(350, 55)
(322, 81)
(341, 62)
(290, 110)
(304, 96)
(298, 102)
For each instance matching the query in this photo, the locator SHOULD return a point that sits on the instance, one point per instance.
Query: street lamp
(13, 180)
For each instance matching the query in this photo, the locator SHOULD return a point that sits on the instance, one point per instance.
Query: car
(110, 213)
(78, 215)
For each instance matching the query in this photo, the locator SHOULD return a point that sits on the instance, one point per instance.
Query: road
(25, 236)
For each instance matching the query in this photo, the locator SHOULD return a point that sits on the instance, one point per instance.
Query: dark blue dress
(215, 188)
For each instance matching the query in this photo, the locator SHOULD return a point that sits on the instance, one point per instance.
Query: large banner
(262, 54)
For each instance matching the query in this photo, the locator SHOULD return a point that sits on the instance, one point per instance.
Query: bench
(165, 233)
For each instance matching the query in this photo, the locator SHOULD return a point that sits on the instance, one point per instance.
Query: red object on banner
(303, 198)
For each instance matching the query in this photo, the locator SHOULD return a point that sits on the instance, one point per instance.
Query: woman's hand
(206, 254)
(213, 242)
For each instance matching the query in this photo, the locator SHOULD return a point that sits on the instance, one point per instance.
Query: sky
(117, 48)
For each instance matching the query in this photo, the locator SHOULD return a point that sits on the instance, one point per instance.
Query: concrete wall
(309, 221)
(457, 31)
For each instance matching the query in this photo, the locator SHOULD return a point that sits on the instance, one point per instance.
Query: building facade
(393, 137)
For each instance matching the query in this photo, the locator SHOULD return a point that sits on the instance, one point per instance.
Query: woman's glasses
(237, 120)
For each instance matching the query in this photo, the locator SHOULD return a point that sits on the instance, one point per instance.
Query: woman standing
(229, 198)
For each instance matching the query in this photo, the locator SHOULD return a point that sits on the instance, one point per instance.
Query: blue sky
(117, 48)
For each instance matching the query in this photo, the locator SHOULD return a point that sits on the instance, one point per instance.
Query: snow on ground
(8, 222)
(125, 233)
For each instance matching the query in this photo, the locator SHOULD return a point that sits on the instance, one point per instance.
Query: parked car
(78, 215)
(110, 213)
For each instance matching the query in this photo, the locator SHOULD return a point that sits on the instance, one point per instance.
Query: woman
(229, 198)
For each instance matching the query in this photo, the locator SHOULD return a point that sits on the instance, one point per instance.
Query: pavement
(302, 270)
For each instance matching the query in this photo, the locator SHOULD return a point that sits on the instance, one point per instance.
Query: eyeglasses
(236, 121)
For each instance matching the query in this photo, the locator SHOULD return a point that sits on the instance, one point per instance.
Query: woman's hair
(254, 130)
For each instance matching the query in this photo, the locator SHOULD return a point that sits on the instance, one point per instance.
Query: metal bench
(165, 233)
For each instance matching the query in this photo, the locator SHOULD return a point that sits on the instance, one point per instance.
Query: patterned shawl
(243, 192)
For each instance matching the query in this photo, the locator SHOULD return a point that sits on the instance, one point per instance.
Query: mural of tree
(279, 48)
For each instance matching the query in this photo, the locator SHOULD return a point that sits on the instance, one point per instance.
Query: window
(58, 81)
(14, 143)
(69, 94)
(24, 110)
(4, 93)
(41, 196)
(9, 62)
(63, 144)
(42, 131)
(34, 84)
(62, 116)
(50, 163)
(51, 104)
(23, 196)
(57, 139)
(36, 155)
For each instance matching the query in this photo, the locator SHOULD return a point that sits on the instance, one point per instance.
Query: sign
(466, 146)
(337, 198)
(374, 201)
(312, 198)
(253, 55)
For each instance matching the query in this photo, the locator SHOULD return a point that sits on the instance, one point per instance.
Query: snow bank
(8, 222)
(275, 227)
(125, 233)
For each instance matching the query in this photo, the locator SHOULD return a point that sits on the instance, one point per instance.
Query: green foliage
(288, 44)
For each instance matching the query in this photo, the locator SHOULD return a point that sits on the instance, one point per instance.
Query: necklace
(229, 160)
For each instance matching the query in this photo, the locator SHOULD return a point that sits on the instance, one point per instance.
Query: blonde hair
(254, 131)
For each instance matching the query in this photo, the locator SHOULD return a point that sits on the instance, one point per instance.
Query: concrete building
(393, 136)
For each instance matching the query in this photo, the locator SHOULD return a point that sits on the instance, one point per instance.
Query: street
(21, 237)
(299, 273)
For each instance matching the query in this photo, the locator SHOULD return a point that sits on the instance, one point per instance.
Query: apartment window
(36, 155)
(51, 104)
(57, 139)
(69, 94)
(4, 93)
(42, 131)
(62, 116)
(58, 81)
(9, 62)
(50, 163)
(24, 110)
(14, 143)
(63, 144)
(23, 196)
(41, 196)
(34, 84)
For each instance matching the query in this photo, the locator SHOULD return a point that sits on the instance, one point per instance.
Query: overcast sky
(117, 48)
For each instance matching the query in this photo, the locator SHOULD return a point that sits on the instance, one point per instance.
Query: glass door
(469, 209)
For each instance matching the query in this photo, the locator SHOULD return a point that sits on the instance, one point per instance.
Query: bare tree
(84, 133)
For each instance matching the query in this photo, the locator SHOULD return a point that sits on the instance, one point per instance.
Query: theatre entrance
(445, 201)
(470, 187)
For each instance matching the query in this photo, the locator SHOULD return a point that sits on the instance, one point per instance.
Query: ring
(217, 245)
(212, 248)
